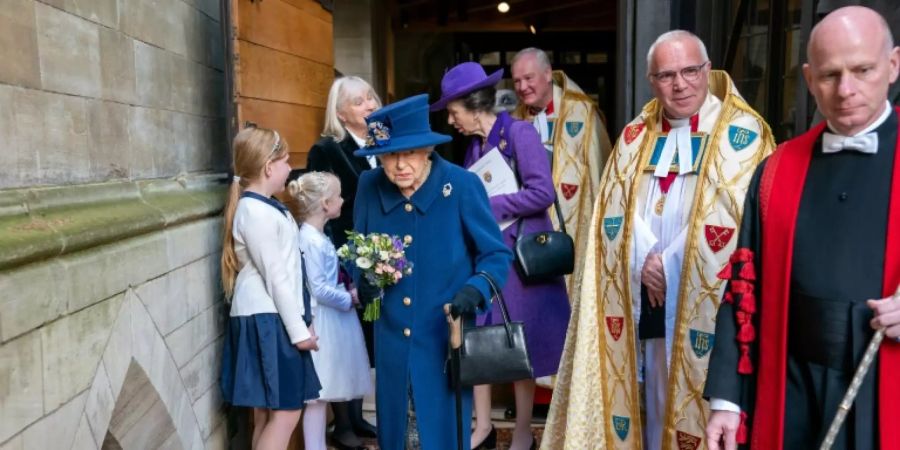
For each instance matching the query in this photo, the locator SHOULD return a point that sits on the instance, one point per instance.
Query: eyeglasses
(689, 73)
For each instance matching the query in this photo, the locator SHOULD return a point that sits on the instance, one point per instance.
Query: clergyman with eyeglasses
(664, 226)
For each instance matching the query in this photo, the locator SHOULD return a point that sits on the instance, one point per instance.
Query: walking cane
(861, 370)
(455, 344)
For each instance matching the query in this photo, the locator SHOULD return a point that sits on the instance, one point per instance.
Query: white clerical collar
(362, 143)
(884, 116)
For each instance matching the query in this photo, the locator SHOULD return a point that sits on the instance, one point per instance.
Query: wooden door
(282, 66)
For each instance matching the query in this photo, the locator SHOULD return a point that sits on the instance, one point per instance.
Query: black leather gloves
(367, 291)
(466, 301)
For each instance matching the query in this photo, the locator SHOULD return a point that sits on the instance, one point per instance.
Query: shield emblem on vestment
(718, 237)
(740, 137)
(611, 226)
(621, 425)
(701, 342)
(615, 324)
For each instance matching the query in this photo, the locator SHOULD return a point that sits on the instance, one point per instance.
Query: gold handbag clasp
(542, 239)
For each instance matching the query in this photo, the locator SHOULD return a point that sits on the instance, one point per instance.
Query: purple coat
(544, 307)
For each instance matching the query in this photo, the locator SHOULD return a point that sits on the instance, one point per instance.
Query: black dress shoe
(366, 430)
(489, 442)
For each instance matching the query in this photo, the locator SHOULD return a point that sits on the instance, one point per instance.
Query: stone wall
(92, 90)
(113, 149)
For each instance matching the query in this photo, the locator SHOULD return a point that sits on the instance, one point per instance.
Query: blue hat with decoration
(400, 126)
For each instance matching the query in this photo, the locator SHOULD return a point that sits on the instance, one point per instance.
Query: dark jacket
(327, 155)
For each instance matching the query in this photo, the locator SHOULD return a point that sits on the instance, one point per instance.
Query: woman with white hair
(350, 100)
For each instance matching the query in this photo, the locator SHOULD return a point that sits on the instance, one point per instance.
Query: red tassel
(748, 272)
(741, 317)
(742, 255)
(748, 304)
(728, 298)
(745, 367)
(747, 333)
(741, 287)
(741, 437)
(725, 273)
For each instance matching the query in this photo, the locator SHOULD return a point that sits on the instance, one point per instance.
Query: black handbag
(544, 255)
(494, 354)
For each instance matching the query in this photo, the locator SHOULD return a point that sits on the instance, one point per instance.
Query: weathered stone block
(182, 294)
(83, 438)
(125, 263)
(117, 66)
(143, 130)
(57, 429)
(18, 44)
(16, 443)
(104, 12)
(110, 143)
(9, 158)
(69, 52)
(20, 372)
(218, 440)
(118, 354)
(166, 300)
(52, 134)
(190, 338)
(163, 23)
(33, 295)
(153, 70)
(99, 406)
(193, 241)
(209, 410)
(202, 372)
(72, 348)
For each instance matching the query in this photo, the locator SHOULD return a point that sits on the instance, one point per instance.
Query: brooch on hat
(448, 188)
(379, 134)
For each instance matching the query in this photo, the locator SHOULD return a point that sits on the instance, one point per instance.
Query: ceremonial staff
(847, 402)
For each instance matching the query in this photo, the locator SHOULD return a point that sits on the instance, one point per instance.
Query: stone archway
(138, 399)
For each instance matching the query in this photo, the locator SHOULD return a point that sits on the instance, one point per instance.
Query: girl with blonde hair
(266, 361)
(350, 100)
(343, 365)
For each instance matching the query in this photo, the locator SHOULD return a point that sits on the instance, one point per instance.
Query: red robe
(785, 174)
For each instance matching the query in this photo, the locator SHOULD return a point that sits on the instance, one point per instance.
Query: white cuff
(718, 404)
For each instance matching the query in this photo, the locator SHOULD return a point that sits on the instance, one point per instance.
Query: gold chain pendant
(660, 205)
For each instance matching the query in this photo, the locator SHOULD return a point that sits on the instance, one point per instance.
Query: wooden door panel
(296, 122)
(282, 66)
(274, 24)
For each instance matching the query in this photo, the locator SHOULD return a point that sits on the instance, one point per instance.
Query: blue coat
(454, 235)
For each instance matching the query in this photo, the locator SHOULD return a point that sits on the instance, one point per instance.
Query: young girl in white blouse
(342, 362)
(266, 361)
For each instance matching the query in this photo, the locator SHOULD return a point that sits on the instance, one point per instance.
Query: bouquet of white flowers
(382, 260)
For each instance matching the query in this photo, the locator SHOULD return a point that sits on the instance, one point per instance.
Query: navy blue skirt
(262, 369)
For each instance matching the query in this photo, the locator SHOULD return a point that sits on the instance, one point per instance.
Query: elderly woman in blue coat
(543, 307)
(444, 212)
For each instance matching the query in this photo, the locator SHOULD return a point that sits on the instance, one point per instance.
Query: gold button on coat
(408, 207)
(407, 301)
(406, 332)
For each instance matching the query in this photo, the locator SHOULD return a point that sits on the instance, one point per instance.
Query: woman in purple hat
(468, 95)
